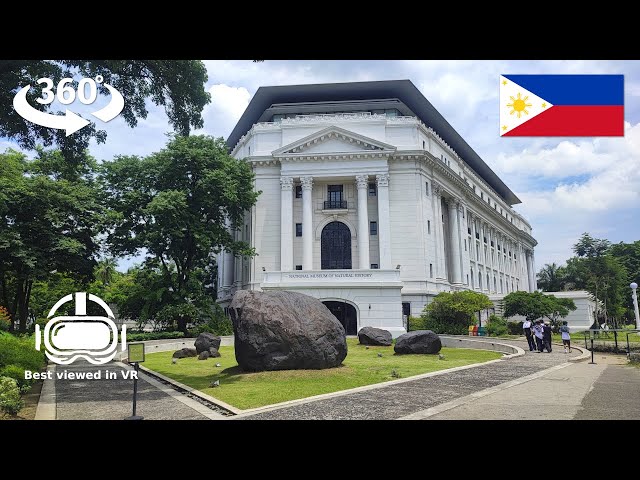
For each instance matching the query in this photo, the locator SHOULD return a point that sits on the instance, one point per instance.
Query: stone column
(384, 221)
(228, 265)
(307, 223)
(454, 239)
(362, 183)
(438, 227)
(286, 224)
(534, 280)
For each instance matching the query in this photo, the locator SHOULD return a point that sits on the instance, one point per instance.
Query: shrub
(20, 351)
(497, 326)
(17, 373)
(10, 401)
(144, 336)
(5, 319)
(416, 323)
(444, 327)
(515, 328)
(217, 326)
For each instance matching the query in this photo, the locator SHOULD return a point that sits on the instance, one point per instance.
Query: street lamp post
(634, 286)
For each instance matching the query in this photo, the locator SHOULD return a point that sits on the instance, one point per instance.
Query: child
(566, 339)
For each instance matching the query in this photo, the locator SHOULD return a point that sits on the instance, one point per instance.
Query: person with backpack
(546, 336)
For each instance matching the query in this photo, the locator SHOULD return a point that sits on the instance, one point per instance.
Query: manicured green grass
(361, 367)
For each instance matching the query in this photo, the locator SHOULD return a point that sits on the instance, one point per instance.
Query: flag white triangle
(518, 105)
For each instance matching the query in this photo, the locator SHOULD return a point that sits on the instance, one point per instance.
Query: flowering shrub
(5, 318)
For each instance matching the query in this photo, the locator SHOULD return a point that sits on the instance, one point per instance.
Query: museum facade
(371, 202)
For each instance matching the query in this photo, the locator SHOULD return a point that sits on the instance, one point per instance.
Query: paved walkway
(404, 399)
(112, 399)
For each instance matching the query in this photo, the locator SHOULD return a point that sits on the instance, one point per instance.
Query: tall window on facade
(374, 266)
(429, 227)
(298, 229)
(298, 267)
(488, 282)
(427, 188)
(298, 191)
(467, 279)
(495, 285)
(472, 278)
(373, 228)
(335, 193)
(465, 244)
(335, 243)
(431, 270)
(480, 280)
(373, 189)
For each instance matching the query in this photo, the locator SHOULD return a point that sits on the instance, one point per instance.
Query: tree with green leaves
(49, 220)
(106, 271)
(173, 205)
(178, 85)
(551, 278)
(628, 254)
(537, 305)
(454, 312)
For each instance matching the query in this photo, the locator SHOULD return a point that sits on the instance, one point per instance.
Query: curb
(196, 393)
(46, 409)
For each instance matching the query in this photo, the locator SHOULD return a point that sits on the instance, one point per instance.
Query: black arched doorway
(335, 251)
(346, 314)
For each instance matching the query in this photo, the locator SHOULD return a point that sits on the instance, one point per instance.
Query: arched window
(472, 279)
(335, 246)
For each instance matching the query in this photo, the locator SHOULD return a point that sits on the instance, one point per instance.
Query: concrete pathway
(111, 399)
(411, 397)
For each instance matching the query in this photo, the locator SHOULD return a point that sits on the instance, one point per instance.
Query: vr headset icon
(69, 337)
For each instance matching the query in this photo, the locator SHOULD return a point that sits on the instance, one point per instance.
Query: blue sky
(567, 185)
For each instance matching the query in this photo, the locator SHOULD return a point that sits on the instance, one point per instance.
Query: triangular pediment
(332, 140)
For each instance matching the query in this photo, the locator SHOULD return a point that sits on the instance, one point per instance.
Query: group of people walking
(539, 336)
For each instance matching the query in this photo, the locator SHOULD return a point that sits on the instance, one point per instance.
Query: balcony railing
(335, 204)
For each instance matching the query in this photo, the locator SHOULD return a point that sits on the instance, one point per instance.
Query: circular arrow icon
(70, 122)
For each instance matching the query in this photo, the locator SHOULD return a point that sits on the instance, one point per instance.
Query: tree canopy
(178, 85)
(454, 312)
(537, 305)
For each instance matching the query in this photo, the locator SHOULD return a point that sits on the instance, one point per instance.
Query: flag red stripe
(574, 121)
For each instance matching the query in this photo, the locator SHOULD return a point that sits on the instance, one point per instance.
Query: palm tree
(551, 278)
(106, 270)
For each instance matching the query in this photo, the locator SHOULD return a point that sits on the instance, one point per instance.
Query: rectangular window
(373, 228)
(374, 266)
(485, 239)
(469, 230)
(431, 270)
(298, 191)
(334, 193)
(467, 279)
(492, 243)
(423, 144)
(427, 188)
(482, 195)
(298, 267)
(373, 189)
(429, 227)
(465, 244)
(298, 229)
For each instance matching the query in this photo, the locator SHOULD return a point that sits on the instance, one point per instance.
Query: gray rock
(185, 352)
(204, 355)
(205, 341)
(213, 352)
(283, 330)
(374, 336)
(418, 341)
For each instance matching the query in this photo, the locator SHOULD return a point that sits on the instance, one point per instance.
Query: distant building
(372, 203)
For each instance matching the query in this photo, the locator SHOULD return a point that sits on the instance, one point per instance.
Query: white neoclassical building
(372, 203)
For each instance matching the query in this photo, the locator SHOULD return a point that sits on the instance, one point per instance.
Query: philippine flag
(562, 105)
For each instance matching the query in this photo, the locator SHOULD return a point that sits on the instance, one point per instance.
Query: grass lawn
(250, 390)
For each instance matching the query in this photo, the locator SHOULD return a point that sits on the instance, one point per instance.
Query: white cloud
(231, 100)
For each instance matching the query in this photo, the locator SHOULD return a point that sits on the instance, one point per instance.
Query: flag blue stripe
(574, 89)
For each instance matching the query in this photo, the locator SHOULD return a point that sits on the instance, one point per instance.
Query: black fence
(619, 340)
(335, 204)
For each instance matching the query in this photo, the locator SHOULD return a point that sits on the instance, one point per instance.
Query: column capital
(307, 182)
(382, 180)
(362, 181)
(286, 183)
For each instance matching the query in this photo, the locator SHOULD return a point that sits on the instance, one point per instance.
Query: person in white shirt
(526, 327)
(538, 332)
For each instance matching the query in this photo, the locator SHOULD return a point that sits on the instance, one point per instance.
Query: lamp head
(633, 285)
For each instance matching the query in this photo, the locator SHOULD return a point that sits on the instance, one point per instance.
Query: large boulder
(185, 352)
(374, 336)
(205, 341)
(283, 330)
(419, 341)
